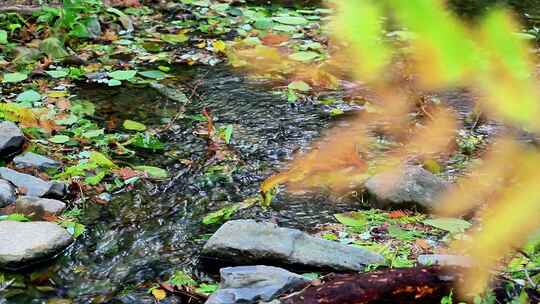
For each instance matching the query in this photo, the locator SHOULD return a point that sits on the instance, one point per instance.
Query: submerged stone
(30, 159)
(8, 193)
(11, 139)
(410, 187)
(250, 284)
(251, 242)
(33, 186)
(23, 244)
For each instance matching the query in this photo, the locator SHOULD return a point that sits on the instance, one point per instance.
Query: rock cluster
(250, 242)
(25, 243)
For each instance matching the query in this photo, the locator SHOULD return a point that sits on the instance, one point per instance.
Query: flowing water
(144, 235)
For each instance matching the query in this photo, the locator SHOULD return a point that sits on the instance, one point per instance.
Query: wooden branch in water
(406, 285)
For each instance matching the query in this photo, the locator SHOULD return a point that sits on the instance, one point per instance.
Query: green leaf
(154, 74)
(174, 38)
(101, 160)
(226, 133)
(95, 179)
(14, 77)
(133, 125)
(122, 75)
(453, 225)
(57, 73)
(220, 215)
(59, 139)
(28, 96)
(147, 141)
(299, 86)
(75, 229)
(154, 172)
(180, 278)
(207, 289)
(79, 30)
(284, 28)
(3, 37)
(289, 20)
(14, 217)
(352, 219)
(263, 23)
(114, 82)
(93, 133)
(304, 56)
(402, 234)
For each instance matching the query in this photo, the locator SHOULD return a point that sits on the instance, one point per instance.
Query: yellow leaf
(57, 94)
(219, 46)
(159, 294)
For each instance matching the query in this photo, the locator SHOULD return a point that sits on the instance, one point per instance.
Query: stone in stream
(36, 205)
(33, 160)
(251, 242)
(250, 284)
(8, 193)
(11, 139)
(410, 186)
(445, 260)
(25, 243)
(33, 186)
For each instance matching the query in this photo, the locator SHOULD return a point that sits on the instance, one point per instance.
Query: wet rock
(33, 186)
(445, 260)
(250, 284)
(27, 243)
(11, 139)
(37, 205)
(30, 159)
(8, 193)
(412, 187)
(251, 242)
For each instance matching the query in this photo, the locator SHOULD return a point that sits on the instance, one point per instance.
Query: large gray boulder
(410, 186)
(29, 205)
(33, 186)
(33, 160)
(22, 244)
(251, 242)
(8, 193)
(11, 139)
(250, 284)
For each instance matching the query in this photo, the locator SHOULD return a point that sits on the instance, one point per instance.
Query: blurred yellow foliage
(444, 53)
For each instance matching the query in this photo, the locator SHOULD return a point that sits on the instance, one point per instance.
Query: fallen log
(405, 285)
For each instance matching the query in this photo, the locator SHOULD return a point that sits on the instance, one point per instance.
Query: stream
(145, 234)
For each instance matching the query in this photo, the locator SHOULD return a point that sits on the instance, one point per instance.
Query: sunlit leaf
(154, 172)
(289, 20)
(14, 77)
(133, 125)
(122, 75)
(59, 139)
(29, 96)
(452, 225)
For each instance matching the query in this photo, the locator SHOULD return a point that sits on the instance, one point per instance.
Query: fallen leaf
(159, 294)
